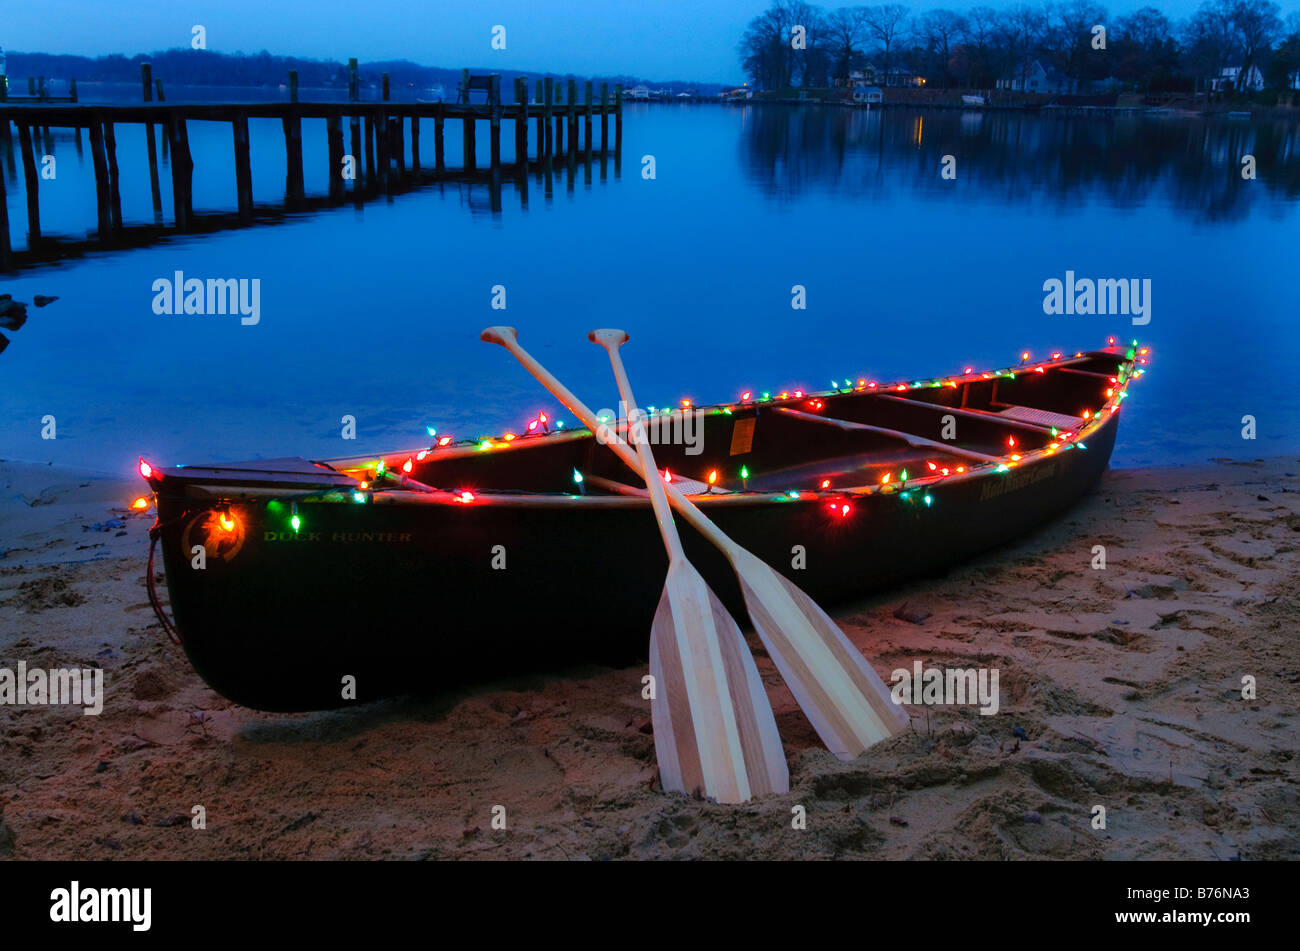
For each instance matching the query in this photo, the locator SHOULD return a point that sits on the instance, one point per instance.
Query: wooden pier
(377, 136)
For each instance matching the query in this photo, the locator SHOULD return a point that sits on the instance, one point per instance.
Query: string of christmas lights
(907, 486)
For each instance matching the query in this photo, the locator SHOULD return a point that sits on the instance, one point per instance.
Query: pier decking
(377, 143)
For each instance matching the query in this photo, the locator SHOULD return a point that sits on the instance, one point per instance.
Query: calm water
(375, 311)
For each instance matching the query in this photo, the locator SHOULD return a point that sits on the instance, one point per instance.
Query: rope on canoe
(173, 632)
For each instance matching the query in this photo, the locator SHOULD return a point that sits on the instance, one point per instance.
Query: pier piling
(467, 124)
(494, 119)
(6, 259)
(293, 189)
(182, 171)
(370, 150)
(243, 168)
(114, 184)
(105, 217)
(334, 138)
(586, 121)
(604, 117)
(521, 122)
(31, 182)
(548, 100)
(618, 124)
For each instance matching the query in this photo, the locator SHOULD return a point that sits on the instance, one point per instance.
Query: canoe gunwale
(218, 491)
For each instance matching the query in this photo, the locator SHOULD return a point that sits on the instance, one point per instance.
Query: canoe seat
(1042, 417)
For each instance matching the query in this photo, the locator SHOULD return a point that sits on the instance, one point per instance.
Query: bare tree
(1142, 46)
(845, 30)
(1212, 36)
(939, 30)
(1147, 27)
(980, 39)
(885, 25)
(1259, 26)
(811, 59)
(1023, 28)
(1075, 20)
(764, 48)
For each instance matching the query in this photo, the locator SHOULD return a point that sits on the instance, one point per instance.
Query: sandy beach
(1120, 688)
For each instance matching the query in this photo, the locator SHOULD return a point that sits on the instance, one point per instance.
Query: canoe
(424, 569)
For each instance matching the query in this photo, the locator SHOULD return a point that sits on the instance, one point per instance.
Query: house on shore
(867, 94)
(641, 91)
(901, 76)
(1034, 77)
(1230, 79)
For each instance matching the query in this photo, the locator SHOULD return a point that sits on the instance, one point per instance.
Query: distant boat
(1238, 115)
(969, 100)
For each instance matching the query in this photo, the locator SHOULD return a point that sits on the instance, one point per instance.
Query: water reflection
(1193, 164)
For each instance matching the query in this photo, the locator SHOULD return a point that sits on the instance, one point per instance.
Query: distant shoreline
(1100, 105)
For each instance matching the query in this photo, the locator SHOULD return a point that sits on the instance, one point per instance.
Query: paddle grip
(500, 335)
(608, 337)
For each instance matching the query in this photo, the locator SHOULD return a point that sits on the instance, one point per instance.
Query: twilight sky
(655, 39)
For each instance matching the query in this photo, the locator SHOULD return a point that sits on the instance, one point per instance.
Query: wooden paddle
(714, 730)
(844, 699)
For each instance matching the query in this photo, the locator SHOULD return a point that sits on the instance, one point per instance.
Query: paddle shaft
(611, 340)
(505, 336)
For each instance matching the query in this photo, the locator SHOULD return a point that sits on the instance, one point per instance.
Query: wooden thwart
(919, 442)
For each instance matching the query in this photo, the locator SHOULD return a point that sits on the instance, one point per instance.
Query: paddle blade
(676, 749)
(845, 700)
(679, 770)
(765, 764)
(714, 729)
